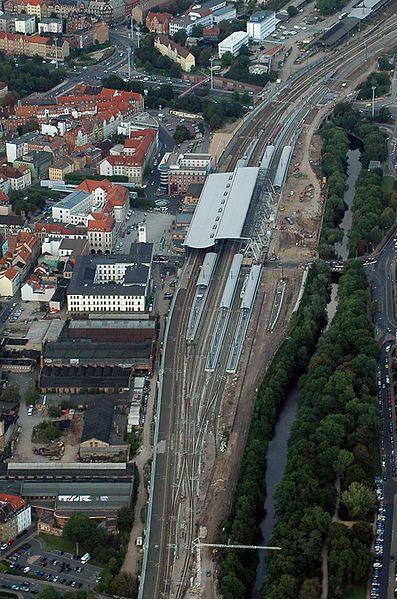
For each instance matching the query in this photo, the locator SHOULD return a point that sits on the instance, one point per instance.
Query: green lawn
(5, 595)
(59, 543)
(358, 591)
(388, 182)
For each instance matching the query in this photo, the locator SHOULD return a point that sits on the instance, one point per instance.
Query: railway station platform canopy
(223, 207)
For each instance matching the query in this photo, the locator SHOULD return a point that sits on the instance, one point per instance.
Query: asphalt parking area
(55, 566)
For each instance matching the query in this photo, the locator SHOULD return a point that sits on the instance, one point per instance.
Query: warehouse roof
(223, 207)
(86, 349)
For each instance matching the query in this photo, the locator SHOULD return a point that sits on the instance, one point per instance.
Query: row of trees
(332, 438)
(237, 569)
(372, 216)
(333, 156)
(373, 210)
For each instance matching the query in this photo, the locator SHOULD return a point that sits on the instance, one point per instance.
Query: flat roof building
(261, 25)
(223, 207)
(233, 43)
(111, 283)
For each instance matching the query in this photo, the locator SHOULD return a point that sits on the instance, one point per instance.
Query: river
(276, 461)
(353, 171)
(276, 458)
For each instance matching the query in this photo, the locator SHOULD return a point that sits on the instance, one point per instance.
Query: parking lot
(57, 567)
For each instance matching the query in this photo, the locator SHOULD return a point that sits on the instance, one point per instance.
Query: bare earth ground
(261, 344)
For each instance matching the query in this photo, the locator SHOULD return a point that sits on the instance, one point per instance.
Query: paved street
(381, 276)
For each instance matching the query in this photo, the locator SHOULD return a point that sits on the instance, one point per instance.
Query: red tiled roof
(14, 500)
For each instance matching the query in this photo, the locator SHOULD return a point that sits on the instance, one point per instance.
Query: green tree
(32, 396)
(359, 500)
(124, 585)
(227, 60)
(215, 121)
(49, 593)
(311, 589)
(292, 10)
(181, 134)
(79, 529)
(180, 37)
(11, 394)
(344, 460)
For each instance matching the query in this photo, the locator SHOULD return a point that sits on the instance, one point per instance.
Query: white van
(86, 557)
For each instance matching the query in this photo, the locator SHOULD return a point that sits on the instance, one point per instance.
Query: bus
(85, 558)
(187, 115)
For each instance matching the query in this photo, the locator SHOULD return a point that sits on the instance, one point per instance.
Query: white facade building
(24, 519)
(233, 43)
(111, 283)
(261, 25)
(25, 24)
(18, 147)
(49, 25)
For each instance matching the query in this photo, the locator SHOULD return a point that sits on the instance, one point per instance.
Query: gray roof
(223, 207)
(84, 376)
(76, 245)
(94, 490)
(135, 279)
(98, 420)
(23, 17)
(96, 351)
(261, 16)
(49, 20)
(22, 138)
(72, 199)
(112, 324)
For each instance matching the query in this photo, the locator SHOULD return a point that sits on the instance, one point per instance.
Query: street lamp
(373, 100)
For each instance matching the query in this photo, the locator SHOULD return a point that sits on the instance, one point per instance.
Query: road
(382, 279)
(186, 394)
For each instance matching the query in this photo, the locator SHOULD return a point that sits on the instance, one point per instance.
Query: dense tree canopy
(381, 81)
(238, 568)
(337, 411)
(27, 75)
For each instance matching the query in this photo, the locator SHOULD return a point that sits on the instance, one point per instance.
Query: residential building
(261, 25)
(175, 52)
(19, 178)
(38, 288)
(180, 23)
(233, 43)
(15, 516)
(60, 168)
(97, 33)
(7, 22)
(226, 13)
(179, 171)
(25, 24)
(11, 224)
(111, 283)
(38, 162)
(21, 45)
(193, 194)
(98, 206)
(18, 147)
(22, 251)
(10, 281)
(137, 152)
(158, 22)
(92, 114)
(50, 25)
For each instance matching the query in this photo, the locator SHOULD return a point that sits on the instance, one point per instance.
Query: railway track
(195, 396)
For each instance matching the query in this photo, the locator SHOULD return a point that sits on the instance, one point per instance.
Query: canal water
(353, 171)
(276, 461)
(278, 447)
